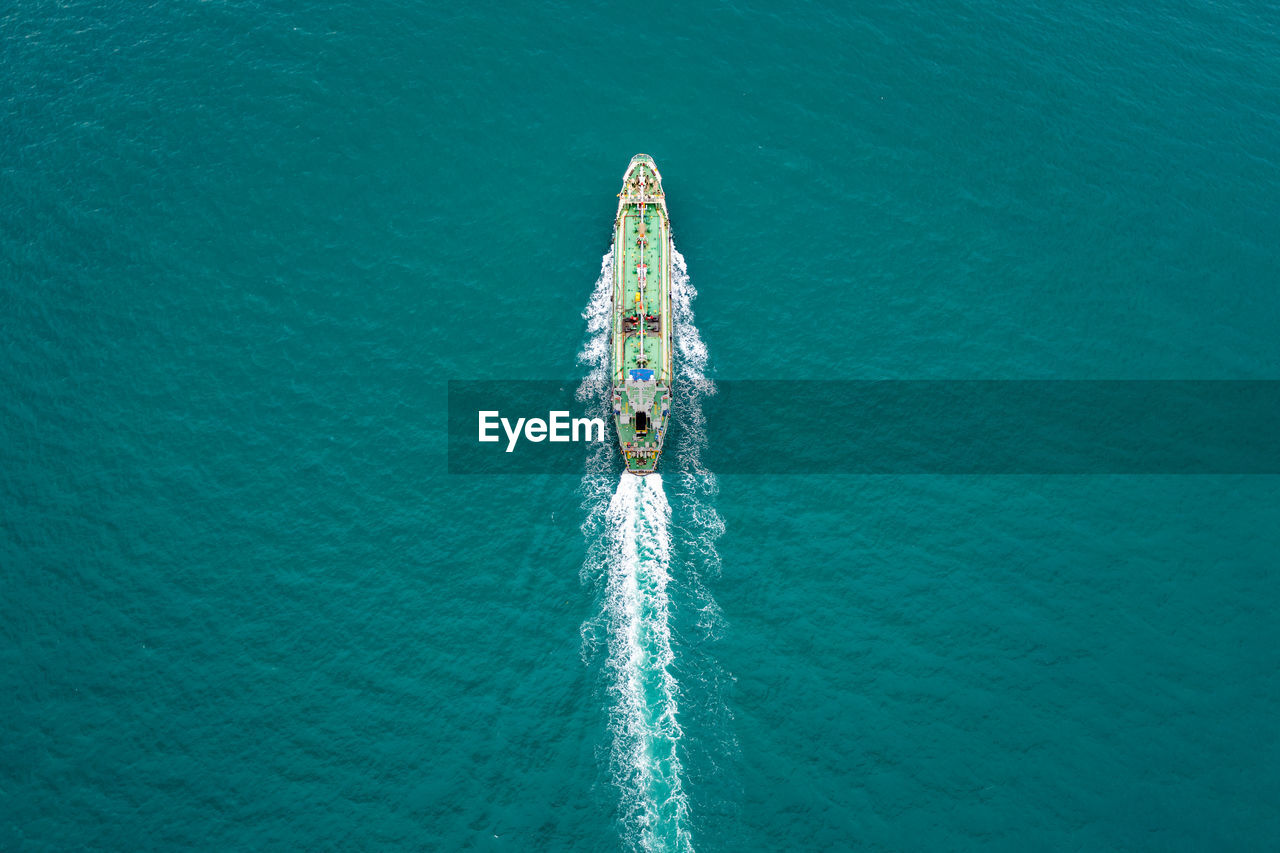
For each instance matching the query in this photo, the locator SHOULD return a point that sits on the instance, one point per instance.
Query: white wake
(628, 530)
(696, 486)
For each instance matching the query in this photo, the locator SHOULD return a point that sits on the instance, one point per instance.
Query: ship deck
(642, 290)
(653, 295)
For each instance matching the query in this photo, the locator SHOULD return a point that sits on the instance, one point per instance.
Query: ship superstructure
(641, 331)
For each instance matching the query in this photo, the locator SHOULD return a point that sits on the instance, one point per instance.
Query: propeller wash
(628, 526)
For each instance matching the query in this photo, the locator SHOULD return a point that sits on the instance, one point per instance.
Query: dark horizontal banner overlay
(894, 427)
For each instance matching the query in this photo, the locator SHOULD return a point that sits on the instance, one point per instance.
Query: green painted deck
(642, 236)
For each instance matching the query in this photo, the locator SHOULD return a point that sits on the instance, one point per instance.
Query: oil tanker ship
(640, 334)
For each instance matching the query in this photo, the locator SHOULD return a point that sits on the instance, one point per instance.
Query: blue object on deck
(641, 374)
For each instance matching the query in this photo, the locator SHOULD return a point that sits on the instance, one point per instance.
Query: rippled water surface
(244, 245)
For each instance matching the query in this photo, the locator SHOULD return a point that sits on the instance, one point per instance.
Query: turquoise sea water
(244, 246)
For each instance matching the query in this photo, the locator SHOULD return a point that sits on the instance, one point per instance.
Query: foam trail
(595, 351)
(628, 531)
(645, 759)
(599, 479)
(695, 485)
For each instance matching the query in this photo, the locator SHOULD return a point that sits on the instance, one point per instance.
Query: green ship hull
(641, 330)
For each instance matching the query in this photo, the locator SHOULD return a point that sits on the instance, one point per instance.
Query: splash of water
(594, 354)
(698, 526)
(599, 479)
(645, 759)
(696, 487)
(628, 530)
